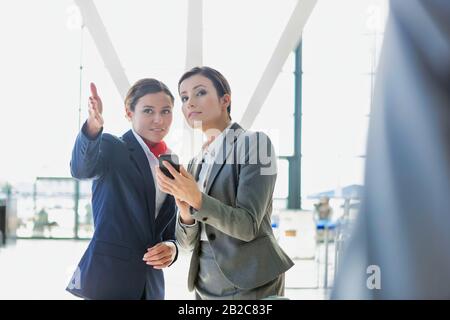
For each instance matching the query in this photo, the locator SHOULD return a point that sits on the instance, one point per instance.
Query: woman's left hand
(183, 186)
(161, 255)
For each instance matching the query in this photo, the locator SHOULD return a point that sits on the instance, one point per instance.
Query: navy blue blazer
(123, 203)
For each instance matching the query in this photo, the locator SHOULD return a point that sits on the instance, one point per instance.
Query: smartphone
(170, 158)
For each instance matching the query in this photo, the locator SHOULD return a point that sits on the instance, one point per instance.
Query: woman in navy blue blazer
(134, 221)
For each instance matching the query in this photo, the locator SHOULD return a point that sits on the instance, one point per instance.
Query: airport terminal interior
(301, 71)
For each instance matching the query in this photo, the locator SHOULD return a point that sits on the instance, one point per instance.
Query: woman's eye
(148, 111)
(201, 93)
(183, 99)
(166, 111)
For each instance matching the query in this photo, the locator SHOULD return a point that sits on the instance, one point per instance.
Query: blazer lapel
(227, 147)
(138, 156)
(194, 168)
(167, 205)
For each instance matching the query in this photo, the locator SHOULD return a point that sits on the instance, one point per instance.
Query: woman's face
(201, 104)
(152, 116)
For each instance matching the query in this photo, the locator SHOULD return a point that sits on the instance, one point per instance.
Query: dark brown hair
(220, 83)
(143, 87)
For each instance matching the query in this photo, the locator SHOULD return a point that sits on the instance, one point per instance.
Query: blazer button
(204, 219)
(212, 236)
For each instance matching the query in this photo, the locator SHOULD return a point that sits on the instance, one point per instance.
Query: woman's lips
(193, 114)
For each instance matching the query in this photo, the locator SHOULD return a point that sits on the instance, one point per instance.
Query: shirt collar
(144, 145)
(215, 146)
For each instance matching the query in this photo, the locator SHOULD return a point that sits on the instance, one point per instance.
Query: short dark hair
(143, 87)
(220, 83)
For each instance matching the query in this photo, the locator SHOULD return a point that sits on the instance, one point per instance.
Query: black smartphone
(170, 158)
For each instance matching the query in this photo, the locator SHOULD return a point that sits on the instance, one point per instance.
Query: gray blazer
(236, 210)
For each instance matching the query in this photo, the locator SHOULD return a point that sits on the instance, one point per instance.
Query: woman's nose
(190, 103)
(157, 118)
(191, 106)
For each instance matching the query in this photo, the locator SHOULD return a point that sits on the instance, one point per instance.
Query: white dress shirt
(152, 161)
(209, 155)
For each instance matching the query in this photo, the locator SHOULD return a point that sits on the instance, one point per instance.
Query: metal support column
(76, 199)
(294, 196)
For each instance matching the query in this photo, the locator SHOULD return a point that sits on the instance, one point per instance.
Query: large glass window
(339, 62)
(48, 62)
(49, 209)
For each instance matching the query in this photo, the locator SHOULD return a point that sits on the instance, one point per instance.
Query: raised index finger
(94, 90)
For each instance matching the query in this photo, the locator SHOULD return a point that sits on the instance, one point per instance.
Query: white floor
(41, 269)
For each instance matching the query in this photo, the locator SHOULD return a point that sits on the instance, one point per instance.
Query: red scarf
(157, 149)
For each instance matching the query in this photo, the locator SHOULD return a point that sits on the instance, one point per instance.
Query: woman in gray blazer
(225, 199)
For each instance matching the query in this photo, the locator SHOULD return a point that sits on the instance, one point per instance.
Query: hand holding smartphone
(172, 159)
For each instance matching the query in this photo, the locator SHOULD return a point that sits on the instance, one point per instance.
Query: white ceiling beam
(289, 40)
(194, 39)
(94, 23)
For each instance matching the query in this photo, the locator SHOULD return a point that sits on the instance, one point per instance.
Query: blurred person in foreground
(400, 243)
